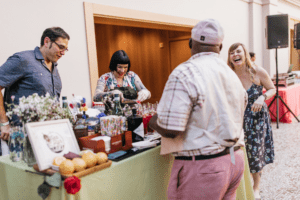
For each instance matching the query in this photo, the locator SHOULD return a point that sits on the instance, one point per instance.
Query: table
(143, 176)
(291, 96)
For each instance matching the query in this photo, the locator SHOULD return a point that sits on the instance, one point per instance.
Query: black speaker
(278, 31)
(297, 36)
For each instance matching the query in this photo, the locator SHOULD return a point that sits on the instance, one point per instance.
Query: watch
(265, 96)
(4, 124)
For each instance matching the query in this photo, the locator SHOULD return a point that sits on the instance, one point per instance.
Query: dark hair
(54, 33)
(119, 57)
(252, 54)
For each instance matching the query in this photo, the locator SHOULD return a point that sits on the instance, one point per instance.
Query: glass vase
(16, 143)
(28, 155)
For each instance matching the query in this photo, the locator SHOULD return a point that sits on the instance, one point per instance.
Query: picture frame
(50, 139)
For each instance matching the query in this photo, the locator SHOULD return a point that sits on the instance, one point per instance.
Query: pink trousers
(210, 179)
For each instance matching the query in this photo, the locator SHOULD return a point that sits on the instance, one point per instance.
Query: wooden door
(179, 52)
(148, 59)
(294, 53)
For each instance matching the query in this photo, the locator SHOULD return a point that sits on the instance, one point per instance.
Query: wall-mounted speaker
(278, 31)
(297, 36)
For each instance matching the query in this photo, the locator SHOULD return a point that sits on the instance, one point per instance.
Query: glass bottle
(28, 154)
(135, 124)
(65, 106)
(64, 102)
(127, 110)
(16, 142)
(117, 109)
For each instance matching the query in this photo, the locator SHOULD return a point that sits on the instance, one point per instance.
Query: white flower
(38, 108)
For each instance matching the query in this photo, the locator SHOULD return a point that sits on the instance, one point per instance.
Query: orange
(58, 160)
(66, 167)
(85, 151)
(79, 164)
(89, 152)
(101, 157)
(90, 159)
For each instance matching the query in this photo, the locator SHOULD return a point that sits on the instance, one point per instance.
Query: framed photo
(50, 139)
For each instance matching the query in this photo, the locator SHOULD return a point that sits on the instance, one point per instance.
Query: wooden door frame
(292, 22)
(102, 14)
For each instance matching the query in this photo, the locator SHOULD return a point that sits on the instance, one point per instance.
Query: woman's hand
(257, 105)
(143, 95)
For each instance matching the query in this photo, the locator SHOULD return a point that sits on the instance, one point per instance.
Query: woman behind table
(257, 124)
(120, 76)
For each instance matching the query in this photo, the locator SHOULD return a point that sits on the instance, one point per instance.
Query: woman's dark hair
(54, 33)
(119, 57)
(252, 54)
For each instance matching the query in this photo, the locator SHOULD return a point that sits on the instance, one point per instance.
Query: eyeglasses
(61, 47)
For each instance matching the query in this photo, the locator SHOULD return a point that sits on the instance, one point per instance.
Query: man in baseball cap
(200, 118)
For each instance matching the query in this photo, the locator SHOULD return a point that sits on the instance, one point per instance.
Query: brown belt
(204, 157)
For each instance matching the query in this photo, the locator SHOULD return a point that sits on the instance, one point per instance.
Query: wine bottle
(135, 124)
(65, 106)
(117, 109)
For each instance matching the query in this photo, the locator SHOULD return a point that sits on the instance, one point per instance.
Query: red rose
(72, 184)
(83, 105)
(71, 105)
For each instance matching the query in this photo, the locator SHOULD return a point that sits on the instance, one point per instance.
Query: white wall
(284, 54)
(257, 33)
(288, 8)
(22, 23)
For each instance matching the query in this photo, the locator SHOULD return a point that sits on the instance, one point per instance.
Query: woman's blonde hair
(249, 66)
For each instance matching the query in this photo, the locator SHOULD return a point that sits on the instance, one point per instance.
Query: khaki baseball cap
(208, 31)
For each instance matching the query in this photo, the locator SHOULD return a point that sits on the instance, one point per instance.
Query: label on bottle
(139, 130)
(65, 104)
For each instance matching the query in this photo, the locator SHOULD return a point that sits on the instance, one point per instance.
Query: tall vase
(28, 155)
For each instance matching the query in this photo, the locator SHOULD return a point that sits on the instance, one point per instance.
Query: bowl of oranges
(88, 160)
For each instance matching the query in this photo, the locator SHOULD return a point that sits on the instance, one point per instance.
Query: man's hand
(5, 132)
(164, 132)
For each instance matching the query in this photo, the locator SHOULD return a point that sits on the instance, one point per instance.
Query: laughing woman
(121, 80)
(257, 124)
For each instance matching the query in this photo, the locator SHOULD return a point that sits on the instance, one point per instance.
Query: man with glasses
(29, 72)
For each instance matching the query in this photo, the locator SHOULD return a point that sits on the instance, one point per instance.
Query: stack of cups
(106, 140)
